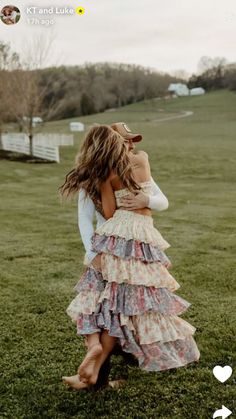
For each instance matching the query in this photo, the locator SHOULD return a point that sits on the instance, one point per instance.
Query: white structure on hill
(178, 89)
(36, 120)
(77, 126)
(197, 91)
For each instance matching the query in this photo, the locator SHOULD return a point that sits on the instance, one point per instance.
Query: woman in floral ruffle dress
(131, 299)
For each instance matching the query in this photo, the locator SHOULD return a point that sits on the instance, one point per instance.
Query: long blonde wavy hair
(102, 151)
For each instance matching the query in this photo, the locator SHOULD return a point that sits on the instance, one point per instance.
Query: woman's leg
(86, 368)
(108, 342)
(103, 375)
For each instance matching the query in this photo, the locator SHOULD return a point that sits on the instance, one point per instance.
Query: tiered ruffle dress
(133, 297)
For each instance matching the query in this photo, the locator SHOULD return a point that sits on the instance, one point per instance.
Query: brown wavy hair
(102, 152)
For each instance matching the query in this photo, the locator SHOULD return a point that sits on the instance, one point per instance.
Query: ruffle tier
(133, 226)
(136, 272)
(172, 349)
(147, 328)
(128, 300)
(128, 249)
(132, 300)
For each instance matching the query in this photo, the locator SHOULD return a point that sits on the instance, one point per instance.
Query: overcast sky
(165, 35)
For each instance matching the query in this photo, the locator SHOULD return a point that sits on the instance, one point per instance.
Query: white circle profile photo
(10, 15)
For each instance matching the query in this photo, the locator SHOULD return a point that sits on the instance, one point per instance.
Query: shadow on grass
(24, 158)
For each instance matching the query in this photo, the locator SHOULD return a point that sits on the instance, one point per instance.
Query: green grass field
(193, 161)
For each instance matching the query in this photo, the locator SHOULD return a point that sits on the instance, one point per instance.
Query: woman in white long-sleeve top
(132, 301)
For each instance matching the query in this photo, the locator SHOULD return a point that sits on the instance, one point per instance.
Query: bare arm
(108, 199)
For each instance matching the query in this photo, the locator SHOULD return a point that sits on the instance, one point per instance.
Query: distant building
(36, 120)
(197, 91)
(178, 89)
(77, 126)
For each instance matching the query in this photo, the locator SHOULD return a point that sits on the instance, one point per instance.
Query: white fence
(54, 139)
(11, 143)
(46, 152)
(45, 146)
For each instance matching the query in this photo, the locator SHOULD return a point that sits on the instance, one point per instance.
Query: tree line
(92, 88)
(214, 74)
(28, 89)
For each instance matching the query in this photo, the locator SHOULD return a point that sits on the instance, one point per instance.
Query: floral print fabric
(133, 297)
(132, 300)
(135, 272)
(128, 249)
(133, 226)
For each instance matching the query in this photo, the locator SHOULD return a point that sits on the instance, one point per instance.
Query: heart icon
(222, 373)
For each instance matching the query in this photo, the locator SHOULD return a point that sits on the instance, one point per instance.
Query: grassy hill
(41, 253)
